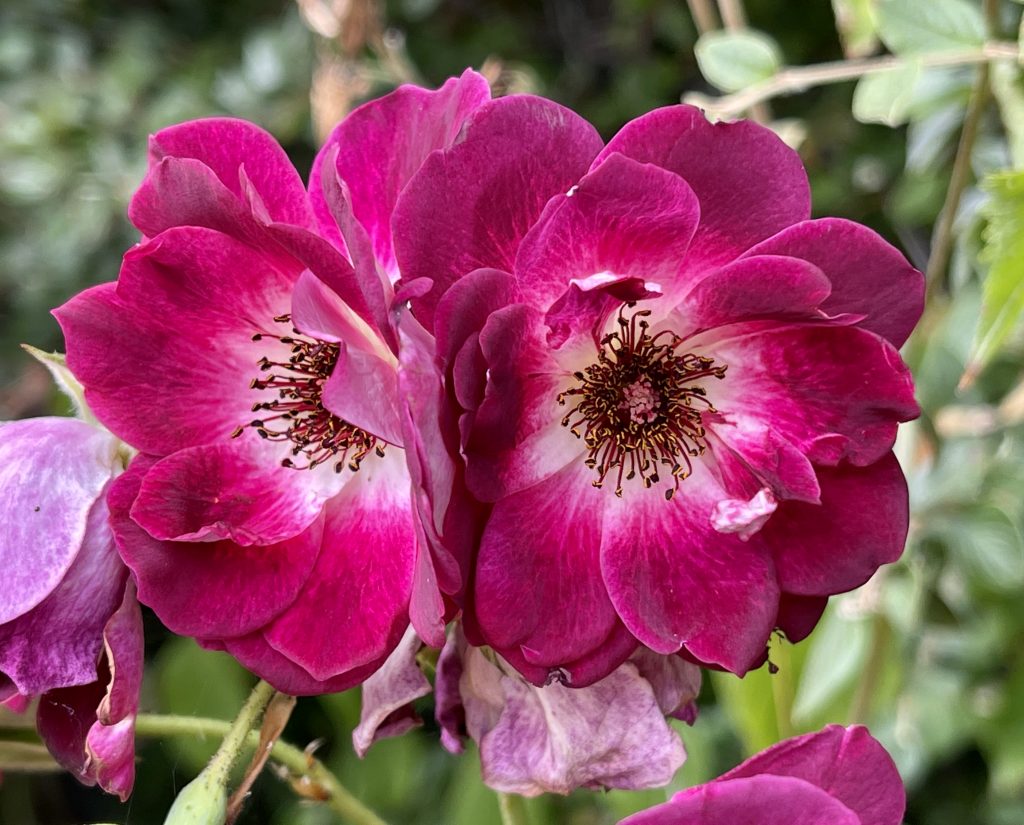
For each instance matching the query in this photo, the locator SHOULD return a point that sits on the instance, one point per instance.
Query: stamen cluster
(315, 432)
(639, 407)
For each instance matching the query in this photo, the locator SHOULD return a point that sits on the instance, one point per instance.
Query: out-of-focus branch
(704, 17)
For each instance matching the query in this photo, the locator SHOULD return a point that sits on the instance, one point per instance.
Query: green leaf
(57, 364)
(916, 26)
(885, 97)
(750, 707)
(1003, 295)
(1009, 93)
(855, 22)
(989, 546)
(738, 59)
(839, 648)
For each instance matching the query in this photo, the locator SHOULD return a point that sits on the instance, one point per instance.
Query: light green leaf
(1003, 296)
(750, 707)
(1008, 89)
(56, 363)
(885, 97)
(838, 650)
(855, 22)
(989, 546)
(738, 59)
(916, 26)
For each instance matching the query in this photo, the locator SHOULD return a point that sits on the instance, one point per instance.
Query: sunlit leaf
(916, 26)
(734, 60)
(885, 97)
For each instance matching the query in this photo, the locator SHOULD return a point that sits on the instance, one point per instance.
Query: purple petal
(52, 471)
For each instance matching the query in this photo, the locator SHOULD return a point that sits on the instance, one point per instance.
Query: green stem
(238, 732)
(310, 776)
(513, 809)
(783, 687)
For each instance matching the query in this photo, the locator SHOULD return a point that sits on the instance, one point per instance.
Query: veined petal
(362, 580)
(625, 219)
(214, 588)
(469, 206)
(538, 583)
(381, 145)
(749, 184)
(52, 471)
(869, 276)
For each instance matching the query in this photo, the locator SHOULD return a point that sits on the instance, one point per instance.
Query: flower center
(298, 415)
(639, 408)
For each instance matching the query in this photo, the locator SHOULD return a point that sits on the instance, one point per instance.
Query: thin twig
(802, 78)
(733, 16)
(309, 776)
(703, 14)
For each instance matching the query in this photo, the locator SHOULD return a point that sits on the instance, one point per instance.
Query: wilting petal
(189, 302)
(674, 580)
(555, 739)
(56, 643)
(388, 696)
(759, 800)
(847, 763)
(52, 471)
(675, 682)
(538, 580)
(468, 207)
(227, 146)
(237, 491)
(624, 220)
(797, 380)
(861, 524)
(448, 709)
(362, 580)
(209, 589)
(380, 145)
(869, 276)
(749, 183)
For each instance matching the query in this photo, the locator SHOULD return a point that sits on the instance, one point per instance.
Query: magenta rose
(70, 627)
(676, 391)
(838, 776)
(249, 351)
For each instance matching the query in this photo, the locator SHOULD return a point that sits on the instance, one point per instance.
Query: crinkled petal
(52, 471)
(833, 392)
(675, 682)
(869, 276)
(448, 709)
(847, 763)
(757, 800)
(388, 695)
(236, 491)
(381, 145)
(625, 220)
(674, 580)
(227, 146)
(362, 580)
(556, 739)
(538, 581)
(833, 547)
(189, 302)
(469, 206)
(214, 588)
(56, 643)
(749, 184)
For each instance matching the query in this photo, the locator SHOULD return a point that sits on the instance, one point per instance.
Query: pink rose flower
(677, 392)
(70, 627)
(837, 776)
(540, 739)
(249, 351)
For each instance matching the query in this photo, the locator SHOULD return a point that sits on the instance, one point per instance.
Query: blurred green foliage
(929, 653)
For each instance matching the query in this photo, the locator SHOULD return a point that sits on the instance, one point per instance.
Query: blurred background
(930, 653)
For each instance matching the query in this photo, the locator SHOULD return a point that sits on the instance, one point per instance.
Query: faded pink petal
(52, 471)
(514, 155)
(388, 695)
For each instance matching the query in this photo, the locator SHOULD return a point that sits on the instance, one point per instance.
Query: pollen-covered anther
(640, 407)
(298, 414)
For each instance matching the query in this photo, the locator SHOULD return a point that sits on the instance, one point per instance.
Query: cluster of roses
(586, 416)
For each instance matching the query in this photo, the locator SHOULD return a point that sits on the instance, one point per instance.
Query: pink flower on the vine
(70, 627)
(249, 352)
(547, 739)
(677, 391)
(837, 776)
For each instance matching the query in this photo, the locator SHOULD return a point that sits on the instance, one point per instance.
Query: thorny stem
(513, 809)
(308, 775)
(235, 738)
(792, 81)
